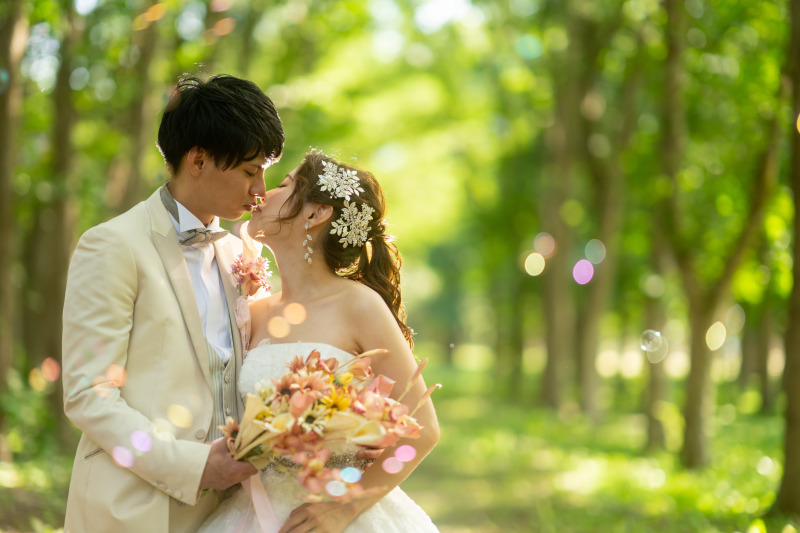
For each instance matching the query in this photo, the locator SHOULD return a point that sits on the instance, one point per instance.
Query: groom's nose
(258, 189)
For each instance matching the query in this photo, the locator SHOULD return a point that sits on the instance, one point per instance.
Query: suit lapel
(166, 243)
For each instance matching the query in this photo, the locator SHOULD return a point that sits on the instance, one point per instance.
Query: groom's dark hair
(229, 117)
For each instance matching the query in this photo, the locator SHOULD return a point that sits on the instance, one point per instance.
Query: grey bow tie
(192, 236)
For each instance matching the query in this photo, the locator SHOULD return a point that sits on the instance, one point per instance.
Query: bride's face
(265, 220)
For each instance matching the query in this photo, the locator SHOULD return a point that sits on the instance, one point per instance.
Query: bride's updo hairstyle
(377, 262)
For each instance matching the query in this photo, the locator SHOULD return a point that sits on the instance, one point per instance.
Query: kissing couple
(155, 362)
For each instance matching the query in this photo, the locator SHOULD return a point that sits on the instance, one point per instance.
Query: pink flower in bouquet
(314, 475)
(251, 274)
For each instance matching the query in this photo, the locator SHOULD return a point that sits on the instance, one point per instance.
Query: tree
(788, 498)
(13, 28)
(704, 289)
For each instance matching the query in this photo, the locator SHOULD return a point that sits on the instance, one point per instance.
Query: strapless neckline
(303, 348)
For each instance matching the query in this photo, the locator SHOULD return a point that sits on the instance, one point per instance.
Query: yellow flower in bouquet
(315, 404)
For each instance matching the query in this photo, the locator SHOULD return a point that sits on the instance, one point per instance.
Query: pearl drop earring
(305, 243)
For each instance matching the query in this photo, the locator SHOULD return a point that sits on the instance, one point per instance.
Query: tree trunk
(699, 389)
(54, 230)
(559, 306)
(763, 346)
(656, 319)
(141, 117)
(788, 498)
(13, 32)
(750, 348)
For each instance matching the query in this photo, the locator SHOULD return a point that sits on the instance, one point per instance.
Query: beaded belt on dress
(285, 465)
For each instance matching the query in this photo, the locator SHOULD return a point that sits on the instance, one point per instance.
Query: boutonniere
(251, 274)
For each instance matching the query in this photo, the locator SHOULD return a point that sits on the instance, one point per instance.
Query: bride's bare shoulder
(361, 301)
(263, 306)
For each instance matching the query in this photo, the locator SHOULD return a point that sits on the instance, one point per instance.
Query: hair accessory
(353, 225)
(308, 248)
(339, 182)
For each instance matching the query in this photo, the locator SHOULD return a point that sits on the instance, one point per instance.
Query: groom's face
(232, 192)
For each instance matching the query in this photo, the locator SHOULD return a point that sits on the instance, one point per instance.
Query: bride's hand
(369, 454)
(323, 517)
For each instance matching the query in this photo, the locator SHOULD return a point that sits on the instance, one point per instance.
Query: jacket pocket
(92, 454)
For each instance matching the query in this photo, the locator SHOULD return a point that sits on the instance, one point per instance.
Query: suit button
(228, 411)
(227, 379)
(200, 434)
(178, 494)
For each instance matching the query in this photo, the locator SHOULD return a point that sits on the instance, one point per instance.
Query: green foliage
(507, 467)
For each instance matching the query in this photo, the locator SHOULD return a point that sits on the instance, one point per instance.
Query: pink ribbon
(265, 514)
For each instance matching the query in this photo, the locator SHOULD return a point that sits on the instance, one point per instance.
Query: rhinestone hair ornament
(339, 182)
(353, 225)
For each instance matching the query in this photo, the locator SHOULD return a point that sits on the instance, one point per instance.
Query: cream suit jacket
(130, 306)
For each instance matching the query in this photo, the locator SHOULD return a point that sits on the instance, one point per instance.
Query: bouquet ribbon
(265, 514)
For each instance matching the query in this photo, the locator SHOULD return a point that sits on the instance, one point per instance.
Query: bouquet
(316, 405)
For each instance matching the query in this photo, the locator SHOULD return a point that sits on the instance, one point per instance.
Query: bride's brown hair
(377, 263)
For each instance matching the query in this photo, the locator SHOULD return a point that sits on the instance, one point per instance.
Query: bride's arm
(374, 327)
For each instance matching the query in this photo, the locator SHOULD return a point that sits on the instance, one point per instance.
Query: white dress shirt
(207, 284)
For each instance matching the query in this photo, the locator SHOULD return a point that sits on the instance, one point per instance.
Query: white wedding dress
(395, 513)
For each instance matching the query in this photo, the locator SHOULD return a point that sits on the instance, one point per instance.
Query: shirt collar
(188, 221)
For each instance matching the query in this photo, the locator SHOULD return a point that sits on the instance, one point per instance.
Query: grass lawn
(507, 467)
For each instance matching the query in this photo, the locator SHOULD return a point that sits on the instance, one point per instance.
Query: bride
(325, 225)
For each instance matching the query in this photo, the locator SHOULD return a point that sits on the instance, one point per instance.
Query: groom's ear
(196, 160)
(318, 215)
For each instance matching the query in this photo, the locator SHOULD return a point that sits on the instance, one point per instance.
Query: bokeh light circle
(534, 264)
(545, 244)
(336, 488)
(583, 272)
(141, 441)
(179, 415)
(716, 335)
(595, 251)
(405, 453)
(392, 465)
(51, 369)
(116, 375)
(294, 313)
(350, 474)
(123, 456)
(278, 327)
(36, 380)
(5, 78)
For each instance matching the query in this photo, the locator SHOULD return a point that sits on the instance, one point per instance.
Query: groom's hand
(221, 471)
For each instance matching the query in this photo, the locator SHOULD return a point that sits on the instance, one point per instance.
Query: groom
(150, 351)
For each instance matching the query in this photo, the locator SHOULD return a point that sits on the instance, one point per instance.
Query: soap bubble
(654, 345)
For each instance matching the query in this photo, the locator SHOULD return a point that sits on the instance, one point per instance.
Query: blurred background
(595, 200)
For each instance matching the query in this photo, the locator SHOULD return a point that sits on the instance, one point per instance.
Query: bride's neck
(301, 281)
